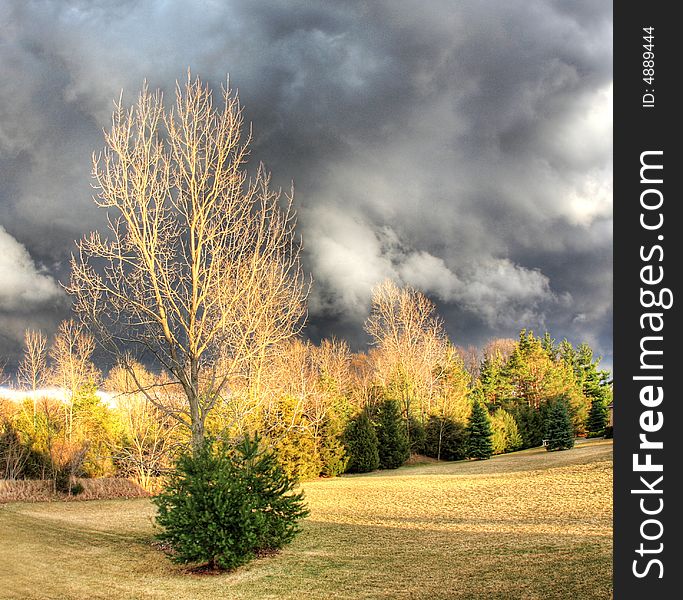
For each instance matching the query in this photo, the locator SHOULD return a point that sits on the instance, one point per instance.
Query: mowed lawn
(532, 524)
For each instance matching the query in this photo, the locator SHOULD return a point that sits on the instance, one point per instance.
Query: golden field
(531, 524)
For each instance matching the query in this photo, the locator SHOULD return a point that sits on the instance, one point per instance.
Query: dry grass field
(527, 525)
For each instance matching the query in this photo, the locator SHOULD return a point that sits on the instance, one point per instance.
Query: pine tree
(417, 435)
(559, 429)
(597, 418)
(479, 444)
(489, 378)
(361, 445)
(494, 378)
(392, 440)
(567, 353)
(594, 384)
(548, 344)
(222, 506)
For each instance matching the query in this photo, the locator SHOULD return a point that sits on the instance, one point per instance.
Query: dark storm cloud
(463, 148)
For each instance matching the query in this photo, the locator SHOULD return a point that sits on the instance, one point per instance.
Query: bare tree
(410, 340)
(202, 266)
(33, 367)
(72, 368)
(32, 372)
(499, 349)
(4, 377)
(471, 359)
(148, 436)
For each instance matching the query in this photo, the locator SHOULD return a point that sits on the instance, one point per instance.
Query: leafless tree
(471, 358)
(32, 372)
(410, 342)
(201, 268)
(72, 367)
(499, 349)
(4, 377)
(33, 367)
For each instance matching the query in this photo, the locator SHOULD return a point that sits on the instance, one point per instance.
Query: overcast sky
(463, 148)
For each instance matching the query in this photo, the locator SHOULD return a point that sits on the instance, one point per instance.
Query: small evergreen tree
(333, 453)
(479, 433)
(361, 445)
(597, 418)
(333, 456)
(94, 425)
(332, 450)
(559, 429)
(391, 436)
(292, 437)
(224, 505)
(298, 454)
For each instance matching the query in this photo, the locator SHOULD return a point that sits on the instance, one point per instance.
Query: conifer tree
(530, 423)
(479, 444)
(361, 445)
(597, 418)
(548, 344)
(559, 430)
(393, 445)
(223, 506)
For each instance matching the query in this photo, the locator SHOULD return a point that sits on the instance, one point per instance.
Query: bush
(223, 506)
(391, 436)
(67, 465)
(361, 445)
(445, 439)
(13, 454)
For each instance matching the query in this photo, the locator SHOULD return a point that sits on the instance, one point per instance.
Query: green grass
(527, 525)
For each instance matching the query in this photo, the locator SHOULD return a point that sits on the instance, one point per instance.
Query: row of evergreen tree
(383, 443)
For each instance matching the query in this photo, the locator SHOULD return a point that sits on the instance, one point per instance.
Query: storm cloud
(462, 148)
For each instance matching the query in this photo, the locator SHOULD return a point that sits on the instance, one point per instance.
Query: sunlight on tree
(201, 268)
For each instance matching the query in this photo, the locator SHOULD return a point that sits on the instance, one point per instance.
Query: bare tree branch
(201, 268)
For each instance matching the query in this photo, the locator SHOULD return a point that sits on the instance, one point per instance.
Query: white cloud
(349, 258)
(24, 286)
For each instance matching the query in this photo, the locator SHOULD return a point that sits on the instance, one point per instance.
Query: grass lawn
(533, 524)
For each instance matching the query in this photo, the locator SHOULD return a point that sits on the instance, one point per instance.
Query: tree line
(323, 409)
